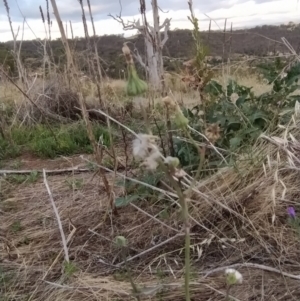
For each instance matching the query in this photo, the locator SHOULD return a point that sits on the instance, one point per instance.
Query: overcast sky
(242, 13)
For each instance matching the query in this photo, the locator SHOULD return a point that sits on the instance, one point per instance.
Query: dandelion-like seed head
(152, 161)
(169, 102)
(144, 148)
(125, 49)
(234, 97)
(143, 145)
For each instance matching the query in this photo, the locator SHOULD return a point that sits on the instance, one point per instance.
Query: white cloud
(240, 13)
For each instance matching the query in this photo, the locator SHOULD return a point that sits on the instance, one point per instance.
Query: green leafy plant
(69, 269)
(241, 116)
(270, 68)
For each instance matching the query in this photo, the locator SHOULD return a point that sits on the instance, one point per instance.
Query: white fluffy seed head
(142, 145)
(233, 276)
(144, 148)
(234, 97)
(152, 161)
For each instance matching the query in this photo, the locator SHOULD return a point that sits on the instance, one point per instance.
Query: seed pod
(135, 86)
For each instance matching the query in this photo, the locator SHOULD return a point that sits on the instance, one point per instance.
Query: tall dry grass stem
(97, 74)
(73, 70)
(16, 52)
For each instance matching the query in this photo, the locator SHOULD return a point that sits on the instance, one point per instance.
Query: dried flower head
(212, 132)
(144, 148)
(152, 161)
(233, 277)
(143, 145)
(234, 97)
(42, 14)
(179, 173)
(126, 49)
(169, 102)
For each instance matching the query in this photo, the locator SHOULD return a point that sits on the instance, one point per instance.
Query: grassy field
(90, 210)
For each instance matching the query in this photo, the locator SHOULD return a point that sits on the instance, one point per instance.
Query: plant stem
(227, 298)
(134, 287)
(170, 136)
(185, 218)
(187, 250)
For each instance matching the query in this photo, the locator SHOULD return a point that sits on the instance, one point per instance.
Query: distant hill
(258, 41)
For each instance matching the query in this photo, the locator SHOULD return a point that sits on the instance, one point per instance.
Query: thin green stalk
(185, 218)
(227, 296)
(201, 163)
(134, 287)
(187, 250)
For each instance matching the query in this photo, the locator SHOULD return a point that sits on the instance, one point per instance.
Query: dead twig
(50, 171)
(151, 249)
(253, 266)
(63, 238)
(154, 218)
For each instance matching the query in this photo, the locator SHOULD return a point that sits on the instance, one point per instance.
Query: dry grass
(56, 95)
(238, 217)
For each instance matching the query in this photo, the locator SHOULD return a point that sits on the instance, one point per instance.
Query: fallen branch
(251, 265)
(53, 171)
(63, 238)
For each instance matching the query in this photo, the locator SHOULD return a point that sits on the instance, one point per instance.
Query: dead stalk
(73, 70)
(63, 238)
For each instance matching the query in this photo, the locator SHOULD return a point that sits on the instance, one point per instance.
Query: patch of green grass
(62, 140)
(19, 179)
(69, 269)
(7, 150)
